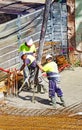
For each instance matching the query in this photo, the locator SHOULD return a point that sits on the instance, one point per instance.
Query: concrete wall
(78, 28)
(78, 20)
(71, 23)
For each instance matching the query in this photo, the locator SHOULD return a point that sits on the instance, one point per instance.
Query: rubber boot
(63, 102)
(53, 102)
(44, 89)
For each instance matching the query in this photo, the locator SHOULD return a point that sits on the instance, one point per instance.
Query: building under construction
(23, 19)
(18, 20)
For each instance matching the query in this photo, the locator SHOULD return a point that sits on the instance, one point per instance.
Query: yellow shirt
(51, 67)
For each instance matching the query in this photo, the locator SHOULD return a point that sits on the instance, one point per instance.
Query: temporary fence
(13, 33)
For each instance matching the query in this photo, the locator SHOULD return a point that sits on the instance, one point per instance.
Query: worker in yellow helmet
(51, 70)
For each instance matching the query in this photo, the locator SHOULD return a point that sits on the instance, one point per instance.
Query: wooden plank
(51, 43)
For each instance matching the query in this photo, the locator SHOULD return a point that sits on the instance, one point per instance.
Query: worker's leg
(58, 90)
(62, 100)
(53, 99)
(41, 81)
(60, 94)
(26, 72)
(26, 77)
(32, 73)
(52, 92)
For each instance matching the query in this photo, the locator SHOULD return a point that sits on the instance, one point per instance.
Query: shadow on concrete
(43, 101)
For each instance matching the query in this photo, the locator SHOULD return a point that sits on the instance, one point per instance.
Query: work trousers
(54, 88)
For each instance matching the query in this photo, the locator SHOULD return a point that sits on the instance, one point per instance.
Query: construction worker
(30, 62)
(51, 70)
(29, 48)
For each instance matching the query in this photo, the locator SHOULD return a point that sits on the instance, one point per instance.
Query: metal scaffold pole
(19, 32)
(43, 29)
(42, 38)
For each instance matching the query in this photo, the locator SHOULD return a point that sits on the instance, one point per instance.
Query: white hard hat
(29, 41)
(48, 56)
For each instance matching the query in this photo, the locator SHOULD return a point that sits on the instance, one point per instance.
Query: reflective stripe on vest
(52, 74)
(31, 58)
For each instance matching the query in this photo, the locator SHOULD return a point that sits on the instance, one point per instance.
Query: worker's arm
(22, 67)
(40, 66)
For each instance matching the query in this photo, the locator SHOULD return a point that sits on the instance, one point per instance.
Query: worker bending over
(30, 62)
(51, 70)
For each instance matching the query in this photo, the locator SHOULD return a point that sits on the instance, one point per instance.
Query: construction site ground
(42, 116)
(71, 85)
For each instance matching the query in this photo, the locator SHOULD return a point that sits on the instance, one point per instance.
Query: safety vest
(26, 49)
(31, 58)
(52, 70)
(50, 67)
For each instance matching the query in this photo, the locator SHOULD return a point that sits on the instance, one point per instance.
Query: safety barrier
(12, 34)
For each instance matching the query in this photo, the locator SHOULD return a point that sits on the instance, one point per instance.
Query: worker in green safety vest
(28, 47)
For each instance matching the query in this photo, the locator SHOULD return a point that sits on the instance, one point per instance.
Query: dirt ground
(40, 123)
